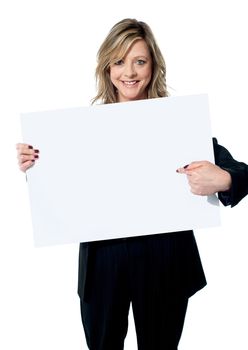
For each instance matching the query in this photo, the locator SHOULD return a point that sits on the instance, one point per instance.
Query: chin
(134, 97)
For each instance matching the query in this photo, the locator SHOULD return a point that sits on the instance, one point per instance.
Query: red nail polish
(37, 151)
(36, 156)
(30, 147)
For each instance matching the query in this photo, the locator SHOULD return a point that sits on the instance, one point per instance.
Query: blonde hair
(118, 41)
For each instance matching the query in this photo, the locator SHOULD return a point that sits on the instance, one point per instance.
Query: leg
(105, 314)
(159, 304)
(160, 327)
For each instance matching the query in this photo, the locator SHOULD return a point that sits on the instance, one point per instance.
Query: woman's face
(132, 74)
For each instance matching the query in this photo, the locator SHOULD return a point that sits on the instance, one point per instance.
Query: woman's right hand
(26, 156)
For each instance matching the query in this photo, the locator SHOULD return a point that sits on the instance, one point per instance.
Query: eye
(141, 62)
(119, 62)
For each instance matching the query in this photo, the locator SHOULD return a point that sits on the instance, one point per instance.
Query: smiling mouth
(130, 83)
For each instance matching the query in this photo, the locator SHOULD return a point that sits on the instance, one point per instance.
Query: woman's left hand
(206, 178)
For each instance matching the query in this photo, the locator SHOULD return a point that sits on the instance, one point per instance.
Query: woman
(156, 273)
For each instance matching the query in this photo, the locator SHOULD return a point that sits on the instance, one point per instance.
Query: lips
(130, 82)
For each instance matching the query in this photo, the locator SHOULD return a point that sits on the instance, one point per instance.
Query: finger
(190, 166)
(26, 149)
(186, 171)
(24, 158)
(24, 166)
(195, 165)
(181, 170)
(23, 146)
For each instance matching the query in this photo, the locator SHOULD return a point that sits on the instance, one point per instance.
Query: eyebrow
(141, 56)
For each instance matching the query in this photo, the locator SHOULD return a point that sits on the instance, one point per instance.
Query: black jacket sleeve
(238, 172)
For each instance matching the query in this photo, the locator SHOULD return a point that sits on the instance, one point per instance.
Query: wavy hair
(117, 43)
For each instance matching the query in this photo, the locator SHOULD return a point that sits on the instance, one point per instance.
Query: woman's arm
(238, 172)
(228, 177)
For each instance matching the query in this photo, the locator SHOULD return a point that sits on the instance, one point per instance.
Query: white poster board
(109, 171)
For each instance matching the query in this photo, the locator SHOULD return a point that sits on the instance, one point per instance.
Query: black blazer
(187, 275)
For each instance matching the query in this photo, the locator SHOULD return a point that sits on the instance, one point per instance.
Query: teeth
(130, 82)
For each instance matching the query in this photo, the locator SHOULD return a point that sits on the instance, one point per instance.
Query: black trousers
(133, 271)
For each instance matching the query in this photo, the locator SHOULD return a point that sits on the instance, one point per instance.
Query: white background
(48, 51)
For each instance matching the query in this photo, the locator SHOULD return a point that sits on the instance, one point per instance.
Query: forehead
(138, 48)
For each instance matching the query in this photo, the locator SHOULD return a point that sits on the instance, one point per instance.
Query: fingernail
(186, 166)
(30, 147)
(37, 151)
(177, 171)
(36, 156)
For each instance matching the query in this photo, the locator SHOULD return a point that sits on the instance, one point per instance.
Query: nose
(130, 71)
